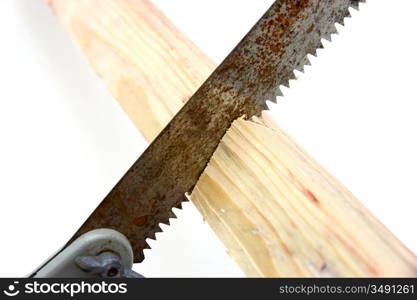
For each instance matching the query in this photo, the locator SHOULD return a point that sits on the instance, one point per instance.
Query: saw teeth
(278, 93)
(333, 30)
(319, 46)
(306, 61)
(171, 215)
(158, 229)
(328, 37)
(264, 106)
(341, 20)
(286, 83)
(152, 236)
(165, 222)
(272, 98)
(146, 246)
(303, 63)
(348, 15)
(354, 4)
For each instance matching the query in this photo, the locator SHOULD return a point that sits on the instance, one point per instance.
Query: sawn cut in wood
(281, 214)
(297, 220)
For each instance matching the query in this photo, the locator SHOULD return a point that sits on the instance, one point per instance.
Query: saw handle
(97, 253)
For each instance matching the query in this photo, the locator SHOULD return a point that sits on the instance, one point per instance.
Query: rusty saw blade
(252, 73)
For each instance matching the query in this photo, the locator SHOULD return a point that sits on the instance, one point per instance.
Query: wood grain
(276, 210)
(147, 64)
(282, 215)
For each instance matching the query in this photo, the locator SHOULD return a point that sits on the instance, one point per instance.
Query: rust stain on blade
(170, 167)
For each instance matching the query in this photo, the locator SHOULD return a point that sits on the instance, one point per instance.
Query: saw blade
(169, 168)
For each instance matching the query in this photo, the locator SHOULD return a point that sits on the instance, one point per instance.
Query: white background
(64, 142)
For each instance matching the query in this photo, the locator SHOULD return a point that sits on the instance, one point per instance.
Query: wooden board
(148, 65)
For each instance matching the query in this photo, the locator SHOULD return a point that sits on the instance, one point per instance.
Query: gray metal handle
(97, 253)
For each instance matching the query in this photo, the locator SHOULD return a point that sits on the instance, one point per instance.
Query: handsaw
(251, 74)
